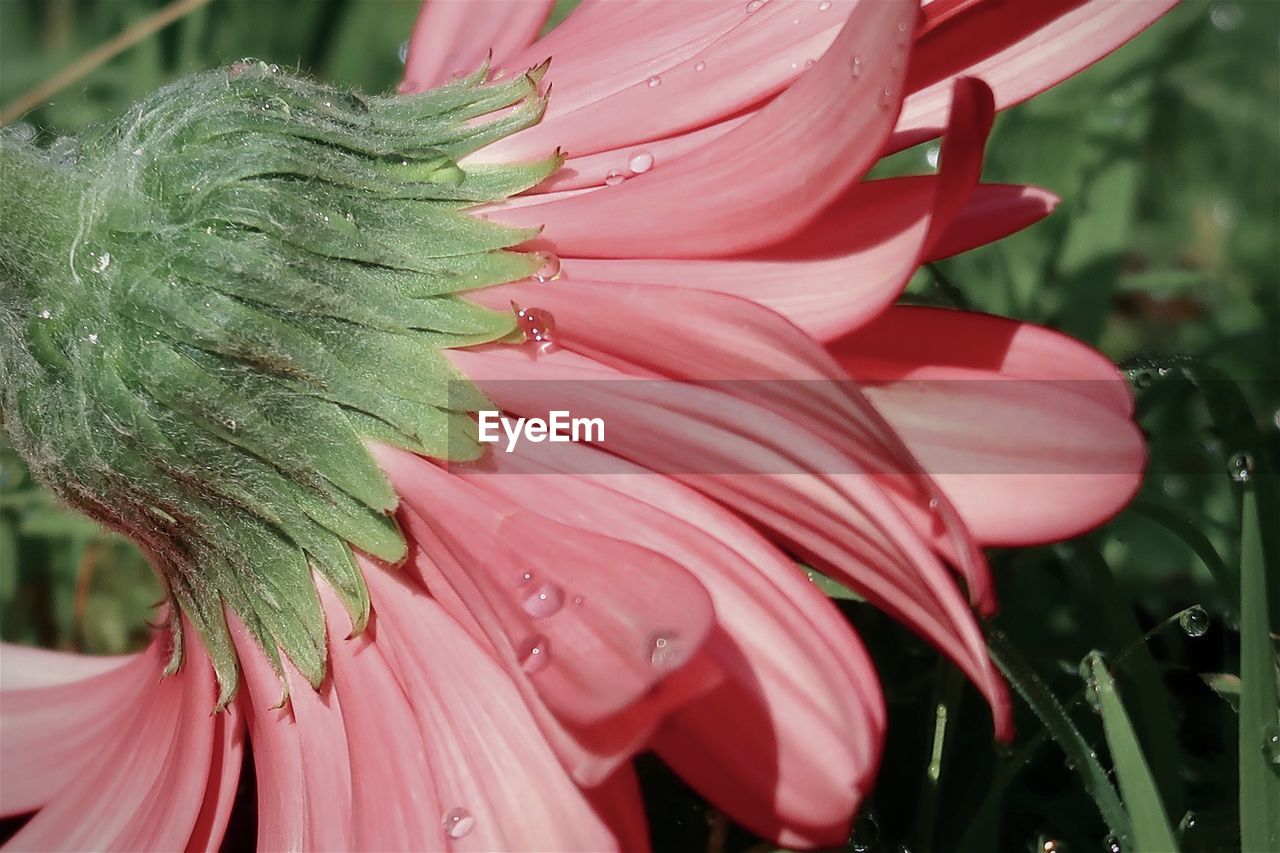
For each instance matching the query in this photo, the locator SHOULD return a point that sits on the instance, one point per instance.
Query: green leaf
(1151, 829)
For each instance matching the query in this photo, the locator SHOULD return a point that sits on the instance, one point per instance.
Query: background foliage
(1164, 254)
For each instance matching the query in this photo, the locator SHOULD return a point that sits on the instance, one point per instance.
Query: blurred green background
(1164, 254)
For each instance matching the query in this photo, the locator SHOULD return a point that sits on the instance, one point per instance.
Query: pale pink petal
(27, 667)
(588, 663)
(222, 784)
(454, 36)
(1018, 49)
(1045, 454)
(680, 66)
(858, 256)
(142, 784)
(795, 670)
(762, 181)
(992, 212)
(500, 785)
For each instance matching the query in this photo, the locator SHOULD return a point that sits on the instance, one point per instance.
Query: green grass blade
(1259, 780)
(1151, 829)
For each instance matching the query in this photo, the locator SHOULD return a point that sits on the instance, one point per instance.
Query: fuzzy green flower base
(209, 305)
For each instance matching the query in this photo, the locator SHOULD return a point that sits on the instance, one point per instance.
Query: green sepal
(231, 290)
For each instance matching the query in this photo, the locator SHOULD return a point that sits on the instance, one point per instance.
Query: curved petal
(457, 35)
(860, 253)
(762, 181)
(500, 784)
(1045, 454)
(675, 68)
(1018, 49)
(992, 212)
(803, 690)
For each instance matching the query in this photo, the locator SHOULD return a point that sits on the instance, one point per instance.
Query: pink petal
(141, 784)
(527, 572)
(499, 783)
(992, 212)
(1018, 49)
(1046, 454)
(673, 68)
(804, 693)
(857, 257)
(761, 182)
(458, 35)
(300, 754)
(812, 435)
(26, 667)
(223, 782)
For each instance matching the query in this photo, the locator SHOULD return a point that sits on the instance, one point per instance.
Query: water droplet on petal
(701, 66)
(577, 600)
(45, 314)
(1194, 621)
(544, 600)
(525, 577)
(614, 178)
(535, 654)
(824, 5)
(1240, 466)
(855, 67)
(886, 98)
(654, 81)
(754, 6)
(537, 325)
(457, 822)
(1090, 683)
(548, 267)
(640, 162)
(664, 649)
(931, 155)
(1112, 845)
(809, 63)
(404, 51)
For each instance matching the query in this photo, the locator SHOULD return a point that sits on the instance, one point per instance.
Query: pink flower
(722, 273)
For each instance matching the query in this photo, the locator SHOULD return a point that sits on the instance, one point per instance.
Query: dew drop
(93, 338)
(931, 155)
(640, 162)
(1194, 621)
(701, 66)
(273, 69)
(404, 51)
(103, 261)
(548, 267)
(577, 600)
(544, 600)
(855, 67)
(1226, 16)
(754, 6)
(824, 5)
(537, 325)
(809, 63)
(664, 649)
(1271, 743)
(45, 314)
(614, 178)
(1188, 823)
(1049, 846)
(457, 822)
(654, 82)
(1112, 845)
(1240, 466)
(525, 577)
(535, 654)
(1090, 681)
(886, 98)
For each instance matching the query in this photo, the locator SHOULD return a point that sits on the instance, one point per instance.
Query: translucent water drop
(824, 5)
(578, 600)
(614, 178)
(1049, 846)
(1226, 16)
(1090, 683)
(809, 63)
(535, 654)
(701, 66)
(1240, 466)
(664, 649)
(45, 314)
(931, 155)
(754, 6)
(1194, 621)
(886, 98)
(537, 325)
(102, 262)
(855, 67)
(654, 82)
(457, 822)
(93, 337)
(526, 577)
(1188, 823)
(640, 162)
(548, 267)
(1271, 743)
(1112, 845)
(404, 51)
(543, 600)
(273, 69)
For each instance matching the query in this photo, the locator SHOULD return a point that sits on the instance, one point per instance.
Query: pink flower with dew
(710, 229)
